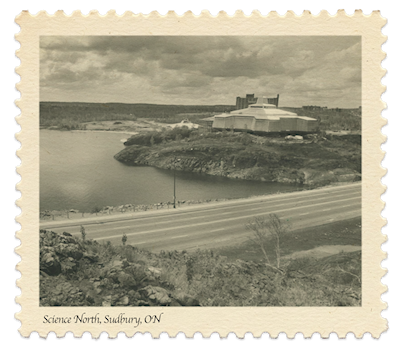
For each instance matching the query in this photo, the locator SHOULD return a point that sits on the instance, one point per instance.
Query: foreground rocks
(75, 272)
(72, 274)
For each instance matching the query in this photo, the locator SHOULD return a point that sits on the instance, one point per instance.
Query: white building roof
(263, 111)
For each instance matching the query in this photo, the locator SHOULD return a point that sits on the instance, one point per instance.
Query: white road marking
(221, 220)
(180, 236)
(207, 216)
(220, 229)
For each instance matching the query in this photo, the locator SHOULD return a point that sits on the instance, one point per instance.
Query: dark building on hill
(250, 99)
(245, 102)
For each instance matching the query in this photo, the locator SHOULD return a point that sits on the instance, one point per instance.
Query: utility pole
(175, 181)
(174, 186)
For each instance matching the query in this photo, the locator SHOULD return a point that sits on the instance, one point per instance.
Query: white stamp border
(207, 320)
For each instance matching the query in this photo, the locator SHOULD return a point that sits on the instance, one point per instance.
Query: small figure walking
(124, 239)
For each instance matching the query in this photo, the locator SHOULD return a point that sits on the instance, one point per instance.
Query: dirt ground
(139, 126)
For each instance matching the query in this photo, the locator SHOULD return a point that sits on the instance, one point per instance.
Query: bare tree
(265, 228)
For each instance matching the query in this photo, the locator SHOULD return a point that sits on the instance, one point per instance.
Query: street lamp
(175, 182)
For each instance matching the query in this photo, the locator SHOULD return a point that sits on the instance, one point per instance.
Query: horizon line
(160, 104)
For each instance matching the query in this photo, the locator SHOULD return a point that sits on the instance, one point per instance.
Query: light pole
(175, 182)
(174, 188)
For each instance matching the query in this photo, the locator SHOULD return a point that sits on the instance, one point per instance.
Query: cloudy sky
(201, 70)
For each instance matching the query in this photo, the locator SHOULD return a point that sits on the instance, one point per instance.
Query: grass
(347, 232)
(332, 119)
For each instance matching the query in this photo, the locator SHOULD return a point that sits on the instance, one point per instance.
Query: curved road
(217, 224)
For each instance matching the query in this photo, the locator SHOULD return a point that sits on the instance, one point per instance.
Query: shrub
(263, 228)
(83, 232)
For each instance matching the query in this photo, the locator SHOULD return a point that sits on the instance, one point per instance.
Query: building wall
(261, 125)
(275, 126)
(242, 103)
(288, 124)
(243, 122)
(264, 125)
(302, 125)
(219, 122)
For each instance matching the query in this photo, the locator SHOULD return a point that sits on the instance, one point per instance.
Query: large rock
(185, 300)
(69, 266)
(127, 280)
(123, 301)
(69, 250)
(92, 258)
(155, 272)
(157, 294)
(49, 262)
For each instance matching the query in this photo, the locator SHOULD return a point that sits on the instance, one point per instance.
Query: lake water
(78, 171)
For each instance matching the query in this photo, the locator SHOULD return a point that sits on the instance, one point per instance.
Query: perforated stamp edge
(222, 320)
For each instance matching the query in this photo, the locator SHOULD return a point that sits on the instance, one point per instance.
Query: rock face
(234, 166)
(49, 263)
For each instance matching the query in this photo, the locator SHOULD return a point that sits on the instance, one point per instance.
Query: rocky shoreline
(224, 169)
(269, 164)
(111, 210)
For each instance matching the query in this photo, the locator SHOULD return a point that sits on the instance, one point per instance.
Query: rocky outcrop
(61, 253)
(73, 275)
(246, 163)
(213, 162)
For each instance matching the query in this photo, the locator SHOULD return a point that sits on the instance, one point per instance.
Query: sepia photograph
(200, 171)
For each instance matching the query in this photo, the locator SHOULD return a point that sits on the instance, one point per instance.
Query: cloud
(191, 70)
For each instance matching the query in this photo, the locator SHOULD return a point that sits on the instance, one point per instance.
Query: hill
(317, 161)
(332, 119)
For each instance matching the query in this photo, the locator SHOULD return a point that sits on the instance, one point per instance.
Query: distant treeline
(68, 115)
(332, 119)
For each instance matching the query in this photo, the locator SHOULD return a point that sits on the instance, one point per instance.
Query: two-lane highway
(218, 224)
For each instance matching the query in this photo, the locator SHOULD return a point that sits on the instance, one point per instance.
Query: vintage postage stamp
(201, 174)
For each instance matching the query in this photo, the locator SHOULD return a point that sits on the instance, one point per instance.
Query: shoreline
(181, 205)
(127, 126)
(90, 131)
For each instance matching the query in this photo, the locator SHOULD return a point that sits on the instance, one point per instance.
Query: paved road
(218, 224)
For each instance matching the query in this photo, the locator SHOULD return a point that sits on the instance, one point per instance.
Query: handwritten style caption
(121, 318)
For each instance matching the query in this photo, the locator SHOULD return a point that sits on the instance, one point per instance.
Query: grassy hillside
(75, 272)
(332, 119)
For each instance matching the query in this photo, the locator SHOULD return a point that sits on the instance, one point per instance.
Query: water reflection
(78, 171)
